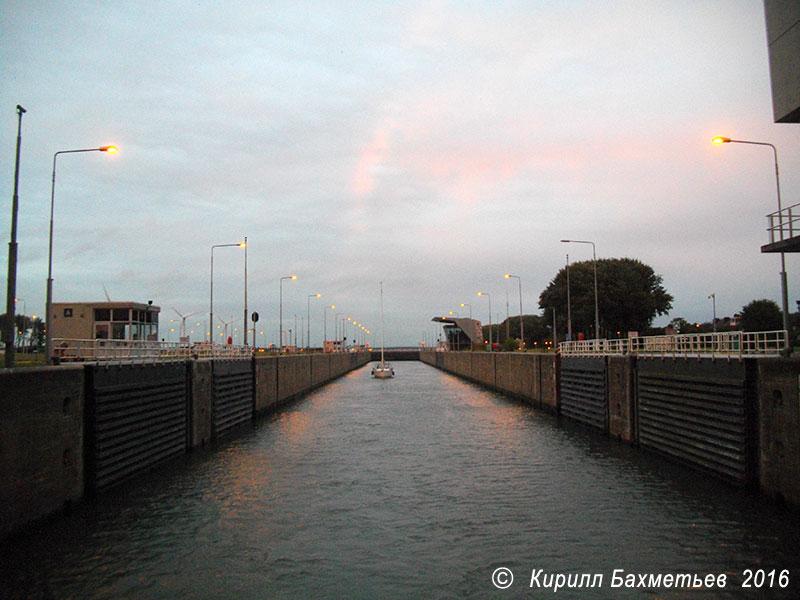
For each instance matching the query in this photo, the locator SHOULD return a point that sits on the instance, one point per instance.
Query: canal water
(423, 486)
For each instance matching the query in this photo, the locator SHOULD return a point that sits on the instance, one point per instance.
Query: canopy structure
(461, 334)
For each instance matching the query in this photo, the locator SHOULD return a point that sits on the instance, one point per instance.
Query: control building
(104, 321)
(461, 334)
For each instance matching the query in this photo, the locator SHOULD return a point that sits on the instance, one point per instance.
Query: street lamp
(490, 316)
(325, 325)
(596, 305)
(470, 308)
(49, 301)
(308, 320)
(280, 313)
(784, 291)
(244, 316)
(521, 325)
(713, 298)
(211, 294)
(336, 321)
(11, 288)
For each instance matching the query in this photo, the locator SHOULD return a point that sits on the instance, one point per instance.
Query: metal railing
(729, 344)
(140, 351)
(784, 224)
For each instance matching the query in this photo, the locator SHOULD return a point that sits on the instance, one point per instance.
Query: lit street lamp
(784, 292)
(49, 300)
(470, 308)
(211, 294)
(490, 316)
(325, 325)
(521, 325)
(596, 305)
(280, 311)
(308, 320)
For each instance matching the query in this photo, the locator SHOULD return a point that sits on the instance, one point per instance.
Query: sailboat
(382, 370)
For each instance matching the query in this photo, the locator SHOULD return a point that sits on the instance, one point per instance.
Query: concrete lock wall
(779, 428)
(44, 440)
(41, 442)
(766, 406)
(201, 412)
(266, 382)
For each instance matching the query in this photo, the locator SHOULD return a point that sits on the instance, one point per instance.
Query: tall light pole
(280, 313)
(11, 291)
(337, 327)
(713, 298)
(596, 304)
(470, 308)
(569, 306)
(490, 316)
(325, 324)
(521, 324)
(308, 318)
(49, 301)
(784, 290)
(211, 293)
(244, 317)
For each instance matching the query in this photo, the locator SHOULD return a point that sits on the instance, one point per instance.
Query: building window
(121, 314)
(102, 314)
(67, 312)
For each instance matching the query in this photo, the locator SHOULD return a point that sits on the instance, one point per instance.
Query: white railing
(140, 351)
(729, 344)
(784, 224)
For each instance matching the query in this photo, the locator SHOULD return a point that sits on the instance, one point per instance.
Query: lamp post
(308, 319)
(244, 316)
(280, 313)
(490, 316)
(713, 298)
(470, 308)
(11, 291)
(325, 325)
(521, 324)
(337, 328)
(784, 290)
(211, 293)
(596, 304)
(49, 301)
(569, 306)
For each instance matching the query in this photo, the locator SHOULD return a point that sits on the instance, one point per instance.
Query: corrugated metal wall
(700, 412)
(234, 399)
(584, 395)
(136, 417)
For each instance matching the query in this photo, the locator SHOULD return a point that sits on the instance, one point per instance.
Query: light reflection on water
(416, 487)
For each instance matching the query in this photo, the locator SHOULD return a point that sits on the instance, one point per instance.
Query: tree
(761, 315)
(630, 296)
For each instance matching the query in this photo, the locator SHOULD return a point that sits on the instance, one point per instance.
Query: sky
(430, 145)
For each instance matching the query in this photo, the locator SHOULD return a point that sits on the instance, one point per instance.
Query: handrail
(141, 351)
(729, 344)
(785, 221)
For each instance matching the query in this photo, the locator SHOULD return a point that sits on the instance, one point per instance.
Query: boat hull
(382, 372)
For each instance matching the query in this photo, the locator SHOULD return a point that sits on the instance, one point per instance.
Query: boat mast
(382, 339)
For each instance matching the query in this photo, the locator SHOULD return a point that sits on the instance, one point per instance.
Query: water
(416, 487)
